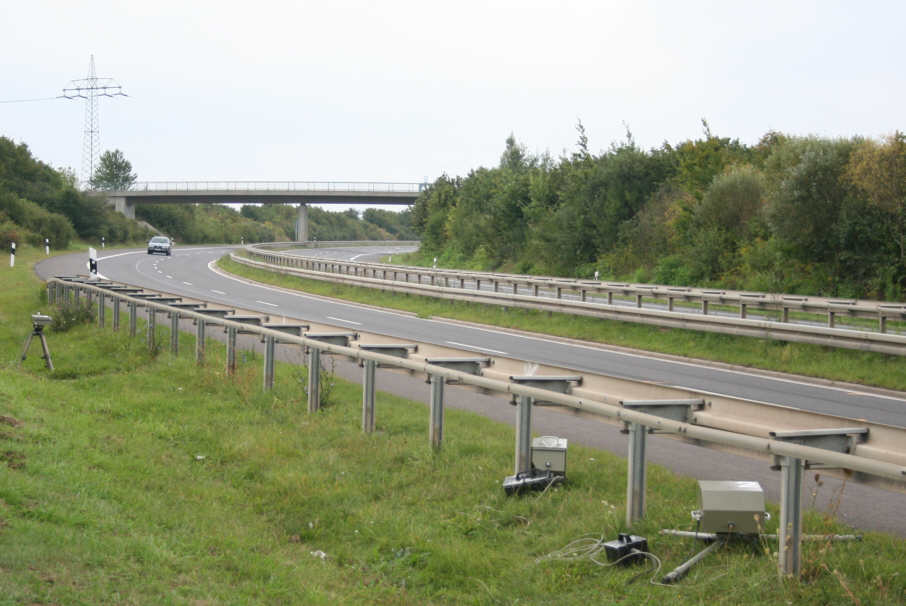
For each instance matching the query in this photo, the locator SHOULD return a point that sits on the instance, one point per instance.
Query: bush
(69, 316)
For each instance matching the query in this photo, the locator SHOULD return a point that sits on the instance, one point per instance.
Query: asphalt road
(188, 273)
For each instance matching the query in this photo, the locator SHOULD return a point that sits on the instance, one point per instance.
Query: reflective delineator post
(231, 351)
(635, 481)
(116, 313)
(368, 397)
(436, 431)
(199, 340)
(314, 379)
(174, 333)
(790, 530)
(524, 435)
(269, 343)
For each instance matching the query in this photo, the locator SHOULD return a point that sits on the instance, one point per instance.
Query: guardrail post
(669, 303)
(524, 435)
(132, 317)
(76, 294)
(882, 323)
(462, 282)
(635, 482)
(314, 379)
(269, 343)
(116, 313)
(704, 307)
(830, 319)
(785, 315)
(152, 321)
(790, 516)
(102, 309)
(174, 333)
(742, 310)
(638, 300)
(436, 430)
(582, 295)
(534, 290)
(199, 340)
(477, 284)
(51, 293)
(231, 350)
(368, 397)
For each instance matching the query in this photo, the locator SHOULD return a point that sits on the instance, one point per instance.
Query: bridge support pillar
(122, 206)
(302, 224)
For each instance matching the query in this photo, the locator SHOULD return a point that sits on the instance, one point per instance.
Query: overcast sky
(403, 91)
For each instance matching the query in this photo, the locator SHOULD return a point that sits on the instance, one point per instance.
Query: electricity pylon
(90, 89)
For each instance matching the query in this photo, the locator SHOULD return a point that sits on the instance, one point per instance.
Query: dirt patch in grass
(13, 459)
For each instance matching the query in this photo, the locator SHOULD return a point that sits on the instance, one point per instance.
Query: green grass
(797, 358)
(137, 477)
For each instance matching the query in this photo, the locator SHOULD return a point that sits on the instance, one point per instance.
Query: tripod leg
(46, 349)
(25, 351)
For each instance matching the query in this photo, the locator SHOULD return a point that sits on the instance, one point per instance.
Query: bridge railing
(277, 186)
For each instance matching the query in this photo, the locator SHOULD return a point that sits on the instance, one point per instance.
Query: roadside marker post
(12, 254)
(46, 247)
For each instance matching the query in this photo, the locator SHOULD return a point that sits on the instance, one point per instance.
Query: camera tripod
(38, 331)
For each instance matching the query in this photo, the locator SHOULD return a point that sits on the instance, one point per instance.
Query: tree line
(38, 202)
(807, 215)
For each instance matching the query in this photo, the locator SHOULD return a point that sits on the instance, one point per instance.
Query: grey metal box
(549, 454)
(731, 506)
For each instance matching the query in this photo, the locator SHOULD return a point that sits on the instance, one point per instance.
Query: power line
(31, 100)
(90, 89)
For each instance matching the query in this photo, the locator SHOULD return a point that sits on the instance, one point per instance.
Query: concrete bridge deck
(264, 192)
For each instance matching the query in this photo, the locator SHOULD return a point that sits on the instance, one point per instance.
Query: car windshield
(159, 240)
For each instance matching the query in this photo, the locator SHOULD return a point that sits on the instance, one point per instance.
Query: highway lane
(188, 272)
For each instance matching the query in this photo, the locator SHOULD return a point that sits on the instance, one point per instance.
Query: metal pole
(635, 483)
(436, 429)
(152, 321)
(314, 379)
(231, 351)
(132, 314)
(76, 294)
(269, 343)
(524, 435)
(368, 397)
(790, 516)
(102, 308)
(174, 333)
(51, 293)
(199, 341)
(116, 313)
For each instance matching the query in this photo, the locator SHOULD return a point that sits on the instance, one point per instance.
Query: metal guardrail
(791, 455)
(437, 283)
(273, 186)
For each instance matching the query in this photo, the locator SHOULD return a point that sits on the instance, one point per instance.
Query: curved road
(188, 273)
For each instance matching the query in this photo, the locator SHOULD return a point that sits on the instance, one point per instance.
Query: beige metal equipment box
(731, 506)
(549, 454)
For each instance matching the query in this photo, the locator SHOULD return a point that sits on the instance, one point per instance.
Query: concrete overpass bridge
(264, 192)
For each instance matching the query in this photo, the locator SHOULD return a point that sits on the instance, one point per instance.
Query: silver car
(160, 244)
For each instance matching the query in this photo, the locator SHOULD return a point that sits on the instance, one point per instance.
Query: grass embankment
(137, 477)
(797, 358)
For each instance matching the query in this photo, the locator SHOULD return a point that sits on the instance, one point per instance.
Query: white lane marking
(266, 303)
(159, 271)
(494, 351)
(187, 283)
(342, 320)
(292, 293)
(354, 257)
(219, 292)
(169, 277)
